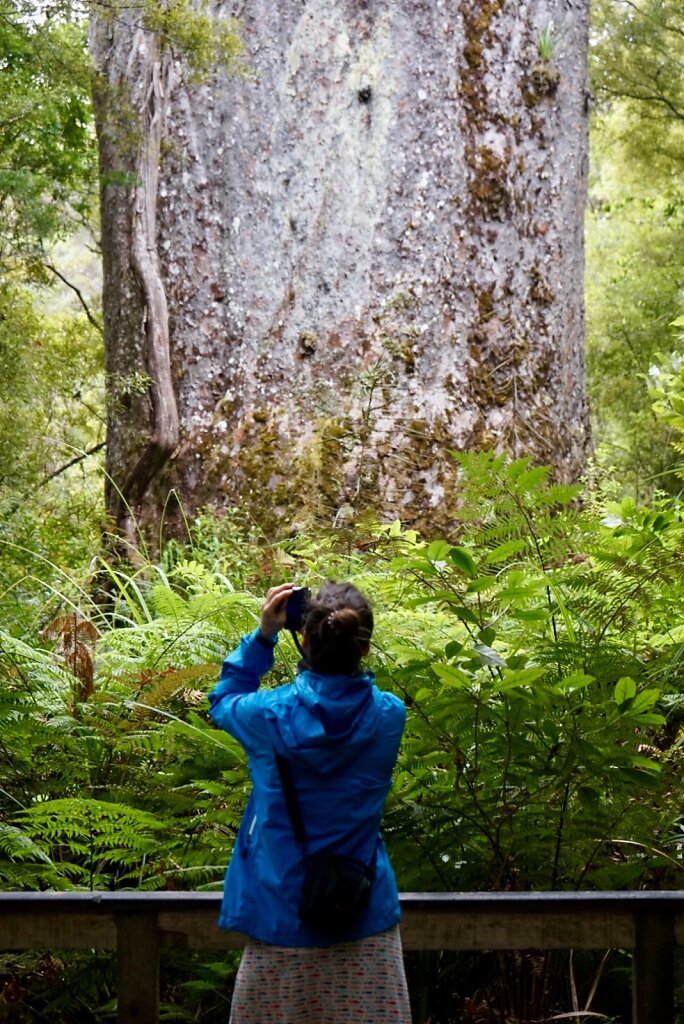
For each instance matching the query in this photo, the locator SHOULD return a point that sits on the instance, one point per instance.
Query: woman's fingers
(274, 609)
(276, 595)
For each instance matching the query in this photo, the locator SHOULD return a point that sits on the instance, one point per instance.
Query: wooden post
(138, 950)
(653, 968)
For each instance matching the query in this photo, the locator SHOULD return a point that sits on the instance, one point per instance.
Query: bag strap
(295, 812)
(291, 801)
(370, 868)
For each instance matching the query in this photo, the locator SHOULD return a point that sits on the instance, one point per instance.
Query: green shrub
(539, 652)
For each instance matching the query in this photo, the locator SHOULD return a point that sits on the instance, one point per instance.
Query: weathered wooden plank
(543, 901)
(196, 929)
(420, 929)
(138, 952)
(45, 929)
(653, 970)
(485, 929)
(105, 902)
(435, 902)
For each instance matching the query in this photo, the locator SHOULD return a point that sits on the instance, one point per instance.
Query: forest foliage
(540, 657)
(635, 235)
(539, 651)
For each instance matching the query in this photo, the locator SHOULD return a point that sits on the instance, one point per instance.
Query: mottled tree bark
(131, 102)
(371, 248)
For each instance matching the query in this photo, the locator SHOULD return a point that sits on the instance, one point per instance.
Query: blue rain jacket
(341, 736)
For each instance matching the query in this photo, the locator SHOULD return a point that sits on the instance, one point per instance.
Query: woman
(340, 736)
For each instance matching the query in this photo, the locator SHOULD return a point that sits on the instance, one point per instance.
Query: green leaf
(463, 560)
(531, 615)
(645, 763)
(625, 689)
(520, 677)
(644, 700)
(438, 551)
(575, 681)
(504, 551)
(451, 676)
(436, 597)
(480, 584)
(487, 655)
(465, 614)
(649, 718)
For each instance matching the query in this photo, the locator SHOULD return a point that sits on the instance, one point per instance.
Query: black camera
(296, 608)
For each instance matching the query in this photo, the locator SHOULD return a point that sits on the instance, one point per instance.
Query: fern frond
(18, 846)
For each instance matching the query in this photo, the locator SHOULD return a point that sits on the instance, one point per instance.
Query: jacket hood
(330, 720)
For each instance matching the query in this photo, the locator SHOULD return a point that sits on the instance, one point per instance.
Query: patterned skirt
(362, 982)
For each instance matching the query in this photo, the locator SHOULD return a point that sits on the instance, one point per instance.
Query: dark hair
(338, 626)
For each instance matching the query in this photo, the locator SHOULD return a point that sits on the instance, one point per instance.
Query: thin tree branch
(644, 97)
(96, 324)
(71, 462)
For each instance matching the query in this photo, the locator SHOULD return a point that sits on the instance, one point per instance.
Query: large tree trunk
(371, 248)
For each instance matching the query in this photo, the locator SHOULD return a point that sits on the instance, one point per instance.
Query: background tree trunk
(371, 248)
(131, 102)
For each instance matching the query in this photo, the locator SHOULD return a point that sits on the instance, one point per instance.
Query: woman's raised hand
(274, 610)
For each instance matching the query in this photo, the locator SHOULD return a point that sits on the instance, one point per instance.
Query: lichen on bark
(377, 197)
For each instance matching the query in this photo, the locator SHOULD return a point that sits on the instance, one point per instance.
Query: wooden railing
(139, 925)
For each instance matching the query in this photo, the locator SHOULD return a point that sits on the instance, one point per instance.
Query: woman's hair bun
(338, 627)
(342, 620)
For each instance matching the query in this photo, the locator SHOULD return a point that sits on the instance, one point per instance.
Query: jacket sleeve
(232, 703)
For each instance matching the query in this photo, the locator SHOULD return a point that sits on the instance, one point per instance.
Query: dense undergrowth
(540, 651)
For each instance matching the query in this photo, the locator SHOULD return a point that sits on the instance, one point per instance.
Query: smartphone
(296, 608)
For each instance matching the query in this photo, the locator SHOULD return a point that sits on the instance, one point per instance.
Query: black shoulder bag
(336, 888)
